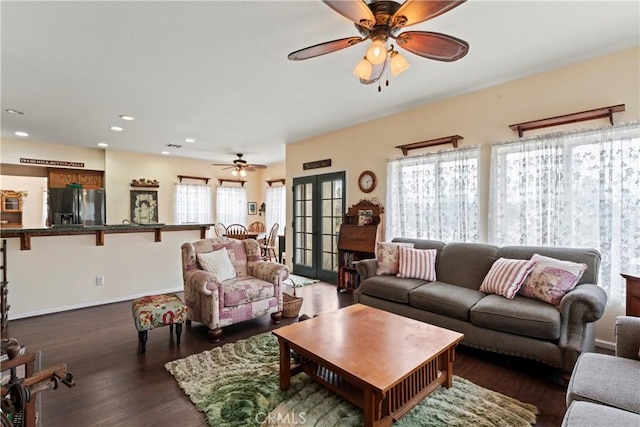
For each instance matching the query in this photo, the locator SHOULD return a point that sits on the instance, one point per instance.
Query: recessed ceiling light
(166, 153)
(20, 133)
(189, 140)
(102, 144)
(12, 111)
(116, 128)
(125, 117)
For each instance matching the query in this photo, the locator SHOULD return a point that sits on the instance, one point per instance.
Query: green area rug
(299, 281)
(237, 385)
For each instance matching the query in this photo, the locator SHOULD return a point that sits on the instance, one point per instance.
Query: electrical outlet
(100, 281)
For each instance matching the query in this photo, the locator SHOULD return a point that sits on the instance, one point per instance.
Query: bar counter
(25, 234)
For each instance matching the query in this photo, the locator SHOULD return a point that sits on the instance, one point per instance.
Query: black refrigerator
(76, 206)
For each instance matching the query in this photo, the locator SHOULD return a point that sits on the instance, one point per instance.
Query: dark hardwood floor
(117, 386)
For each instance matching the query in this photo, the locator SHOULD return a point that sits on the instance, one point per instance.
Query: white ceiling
(218, 71)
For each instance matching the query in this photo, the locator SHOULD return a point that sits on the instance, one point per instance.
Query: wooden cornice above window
(582, 116)
(453, 139)
(275, 180)
(238, 181)
(200, 178)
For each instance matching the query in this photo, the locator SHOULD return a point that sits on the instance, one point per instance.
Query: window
(231, 205)
(434, 196)
(193, 204)
(276, 205)
(577, 189)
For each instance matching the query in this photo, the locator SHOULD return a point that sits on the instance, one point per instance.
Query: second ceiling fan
(381, 20)
(240, 166)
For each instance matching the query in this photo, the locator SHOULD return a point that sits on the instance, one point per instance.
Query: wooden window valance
(239, 181)
(201, 178)
(275, 180)
(453, 139)
(582, 116)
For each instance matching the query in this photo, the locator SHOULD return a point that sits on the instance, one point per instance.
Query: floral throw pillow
(506, 276)
(551, 279)
(417, 263)
(388, 257)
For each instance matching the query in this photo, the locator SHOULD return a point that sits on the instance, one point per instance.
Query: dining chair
(269, 247)
(257, 227)
(220, 230)
(237, 231)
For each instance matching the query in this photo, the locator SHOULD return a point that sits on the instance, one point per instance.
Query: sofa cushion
(218, 264)
(246, 289)
(445, 299)
(389, 287)
(417, 263)
(520, 315)
(611, 380)
(586, 414)
(465, 264)
(388, 256)
(506, 276)
(551, 278)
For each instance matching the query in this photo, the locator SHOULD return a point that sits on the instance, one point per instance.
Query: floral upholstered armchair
(226, 282)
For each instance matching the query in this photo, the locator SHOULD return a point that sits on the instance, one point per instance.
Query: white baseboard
(89, 304)
(607, 345)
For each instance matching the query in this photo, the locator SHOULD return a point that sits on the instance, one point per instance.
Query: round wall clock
(367, 181)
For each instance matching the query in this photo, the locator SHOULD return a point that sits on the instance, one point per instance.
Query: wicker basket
(291, 304)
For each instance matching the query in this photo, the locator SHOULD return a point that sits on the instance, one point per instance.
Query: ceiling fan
(240, 166)
(381, 20)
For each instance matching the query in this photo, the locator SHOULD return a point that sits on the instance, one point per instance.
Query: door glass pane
(308, 191)
(326, 190)
(326, 208)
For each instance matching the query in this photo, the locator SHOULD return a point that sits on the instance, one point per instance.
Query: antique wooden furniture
(156, 311)
(359, 232)
(11, 208)
(22, 390)
(4, 288)
(633, 295)
(382, 363)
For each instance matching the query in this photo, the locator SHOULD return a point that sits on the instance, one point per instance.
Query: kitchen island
(26, 233)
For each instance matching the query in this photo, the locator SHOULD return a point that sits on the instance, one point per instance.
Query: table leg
(446, 364)
(285, 365)
(369, 408)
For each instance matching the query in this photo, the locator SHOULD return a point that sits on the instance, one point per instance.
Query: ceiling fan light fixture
(363, 69)
(377, 52)
(243, 172)
(398, 63)
(234, 172)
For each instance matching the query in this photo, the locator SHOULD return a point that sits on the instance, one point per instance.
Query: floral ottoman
(156, 311)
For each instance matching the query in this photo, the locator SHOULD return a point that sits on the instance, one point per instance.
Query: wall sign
(51, 162)
(317, 164)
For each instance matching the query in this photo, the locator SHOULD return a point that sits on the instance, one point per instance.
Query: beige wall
(481, 117)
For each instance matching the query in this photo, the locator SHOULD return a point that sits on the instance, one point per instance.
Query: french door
(318, 205)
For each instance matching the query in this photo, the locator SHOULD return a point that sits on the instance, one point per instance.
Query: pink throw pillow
(388, 257)
(506, 276)
(417, 263)
(551, 279)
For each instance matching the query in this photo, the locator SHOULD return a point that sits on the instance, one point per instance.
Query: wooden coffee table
(379, 361)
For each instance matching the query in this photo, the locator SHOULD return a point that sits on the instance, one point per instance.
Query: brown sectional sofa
(521, 327)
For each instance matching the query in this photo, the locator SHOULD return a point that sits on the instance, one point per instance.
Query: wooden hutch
(11, 208)
(360, 230)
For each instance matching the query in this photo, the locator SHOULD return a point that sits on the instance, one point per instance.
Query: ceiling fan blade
(249, 168)
(220, 164)
(414, 11)
(257, 166)
(355, 10)
(323, 48)
(440, 47)
(376, 73)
